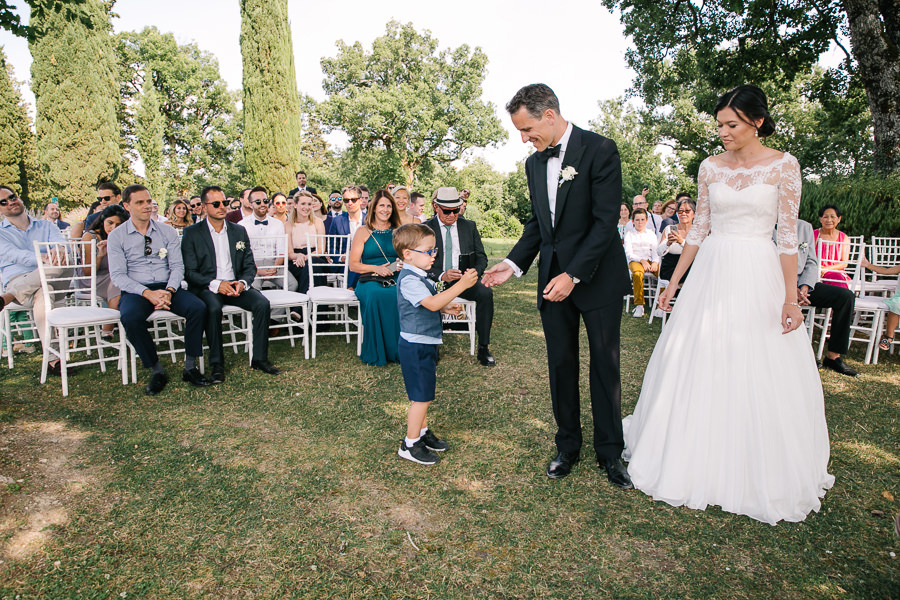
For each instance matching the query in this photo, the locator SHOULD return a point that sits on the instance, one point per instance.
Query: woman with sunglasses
(672, 239)
(302, 222)
(180, 215)
(372, 255)
(279, 206)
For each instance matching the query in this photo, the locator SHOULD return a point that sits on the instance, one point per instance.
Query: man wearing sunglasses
(460, 248)
(107, 193)
(262, 224)
(219, 268)
(145, 263)
(18, 264)
(198, 211)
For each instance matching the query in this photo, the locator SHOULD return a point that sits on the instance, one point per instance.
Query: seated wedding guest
(145, 263)
(93, 211)
(811, 291)
(320, 210)
(640, 251)
(459, 248)
(233, 203)
(303, 222)
(262, 224)
(673, 218)
(893, 304)
(347, 223)
(51, 213)
(111, 217)
(243, 210)
(654, 222)
(672, 239)
(219, 268)
(401, 198)
(107, 193)
(416, 207)
(832, 247)
(624, 219)
(18, 264)
(154, 213)
(180, 215)
(363, 198)
(198, 211)
(372, 255)
(278, 202)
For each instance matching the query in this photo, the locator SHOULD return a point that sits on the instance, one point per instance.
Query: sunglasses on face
(104, 198)
(195, 205)
(260, 201)
(279, 203)
(217, 203)
(684, 211)
(336, 199)
(351, 200)
(8, 199)
(147, 249)
(432, 252)
(449, 211)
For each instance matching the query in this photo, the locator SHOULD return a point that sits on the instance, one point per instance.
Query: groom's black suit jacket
(584, 239)
(199, 256)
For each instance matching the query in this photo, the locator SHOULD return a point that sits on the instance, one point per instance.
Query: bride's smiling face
(735, 129)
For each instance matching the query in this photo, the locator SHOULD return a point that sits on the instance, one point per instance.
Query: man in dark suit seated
(459, 248)
(301, 185)
(219, 268)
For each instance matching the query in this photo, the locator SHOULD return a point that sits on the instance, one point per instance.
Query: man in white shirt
(654, 222)
(416, 207)
(218, 267)
(262, 224)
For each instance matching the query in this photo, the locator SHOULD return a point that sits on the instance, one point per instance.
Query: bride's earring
(756, 133)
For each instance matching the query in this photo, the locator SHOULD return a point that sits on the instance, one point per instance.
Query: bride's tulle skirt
(731, 411)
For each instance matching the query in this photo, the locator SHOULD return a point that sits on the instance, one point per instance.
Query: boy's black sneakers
(433, 443)
(418, 453)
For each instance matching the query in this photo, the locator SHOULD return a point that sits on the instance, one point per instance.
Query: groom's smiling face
(540, 132)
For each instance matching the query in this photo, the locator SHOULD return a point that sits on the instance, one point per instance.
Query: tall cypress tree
(271, 103)
(73, 77)
(18, 165)
(150, 126)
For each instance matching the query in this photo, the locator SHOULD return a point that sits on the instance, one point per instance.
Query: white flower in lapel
(804, 245)
(162, 253)
(240, 246)
(567, 174)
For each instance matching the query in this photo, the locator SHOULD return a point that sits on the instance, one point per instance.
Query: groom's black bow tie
(266, 222)
(551, 152)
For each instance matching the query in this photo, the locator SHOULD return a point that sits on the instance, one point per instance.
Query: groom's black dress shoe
(562, 465)
(616, 472)
(839, 366)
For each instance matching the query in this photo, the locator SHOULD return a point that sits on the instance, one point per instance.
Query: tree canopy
(695, 51)
(410, 98)
(18, 162)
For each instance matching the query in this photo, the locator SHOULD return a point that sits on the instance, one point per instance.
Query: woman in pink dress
(832, 247)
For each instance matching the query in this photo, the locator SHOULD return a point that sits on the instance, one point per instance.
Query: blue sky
(576, 46)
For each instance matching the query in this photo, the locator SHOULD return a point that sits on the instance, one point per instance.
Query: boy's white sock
(410, 442)
(424, 430)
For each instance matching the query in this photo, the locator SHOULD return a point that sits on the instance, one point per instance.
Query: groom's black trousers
(561, 322)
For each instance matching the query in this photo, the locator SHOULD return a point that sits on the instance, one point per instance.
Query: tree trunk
(875, 42)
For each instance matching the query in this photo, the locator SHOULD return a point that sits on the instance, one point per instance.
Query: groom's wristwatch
(574, 279)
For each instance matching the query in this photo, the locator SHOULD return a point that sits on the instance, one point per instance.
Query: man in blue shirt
(145, 263)
(18, 263)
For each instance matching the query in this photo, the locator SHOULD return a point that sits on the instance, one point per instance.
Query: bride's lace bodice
(748, 202)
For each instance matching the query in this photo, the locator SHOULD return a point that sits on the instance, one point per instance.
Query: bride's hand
(791, 318)
(666, 297)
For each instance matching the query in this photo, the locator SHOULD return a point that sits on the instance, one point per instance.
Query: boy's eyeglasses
(433, 252)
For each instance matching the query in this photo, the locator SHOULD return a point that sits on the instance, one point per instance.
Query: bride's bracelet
(792, 304)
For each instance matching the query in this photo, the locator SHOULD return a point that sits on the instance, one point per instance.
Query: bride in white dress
(731, 411)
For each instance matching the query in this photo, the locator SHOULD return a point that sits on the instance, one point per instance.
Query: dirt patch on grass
(41, 479)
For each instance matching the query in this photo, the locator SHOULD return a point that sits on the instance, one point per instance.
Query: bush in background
(869, 202)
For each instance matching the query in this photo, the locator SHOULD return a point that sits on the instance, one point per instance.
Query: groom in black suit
(219, 268)
(575, 184)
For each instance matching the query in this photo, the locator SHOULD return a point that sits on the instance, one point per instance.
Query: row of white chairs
(77, 319)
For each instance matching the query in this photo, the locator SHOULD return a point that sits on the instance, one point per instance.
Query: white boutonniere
(240, 246)
(162, 253)
(439, 286)
(804, 245)
(567, 174)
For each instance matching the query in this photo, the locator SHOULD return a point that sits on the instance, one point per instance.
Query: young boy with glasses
(420, 306)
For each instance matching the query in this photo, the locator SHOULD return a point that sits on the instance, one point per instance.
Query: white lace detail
(748, 201)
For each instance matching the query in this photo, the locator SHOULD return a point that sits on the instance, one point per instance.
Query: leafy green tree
(515, 194)
(725, 43)
(73, 77)
(272, 133)
(18, 163)
(176, 92)
(12, 22)
(409, 98)
(642, 164)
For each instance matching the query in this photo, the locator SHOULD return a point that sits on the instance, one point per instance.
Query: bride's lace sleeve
(700, 227)
(789, 187)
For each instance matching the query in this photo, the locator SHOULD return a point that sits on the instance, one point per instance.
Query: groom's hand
(497, 275)
(559, 288)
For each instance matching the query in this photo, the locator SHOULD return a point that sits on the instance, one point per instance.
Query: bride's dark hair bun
(750, 103)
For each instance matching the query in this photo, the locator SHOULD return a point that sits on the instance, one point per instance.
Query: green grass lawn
(290, 487)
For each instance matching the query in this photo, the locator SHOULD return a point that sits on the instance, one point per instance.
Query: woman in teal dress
(372, 253)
